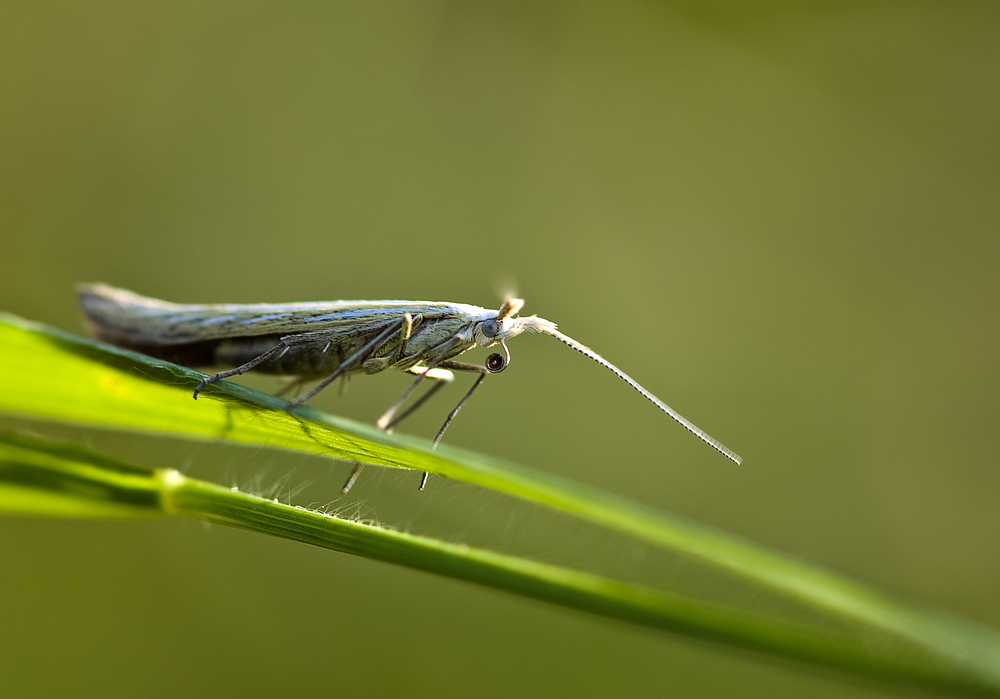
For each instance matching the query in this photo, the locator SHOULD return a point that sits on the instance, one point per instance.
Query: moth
(330, 339)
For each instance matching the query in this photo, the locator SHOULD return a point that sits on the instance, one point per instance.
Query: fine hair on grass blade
(42, 478)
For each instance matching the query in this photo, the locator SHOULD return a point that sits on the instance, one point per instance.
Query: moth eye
(496, 363)
(490, 328)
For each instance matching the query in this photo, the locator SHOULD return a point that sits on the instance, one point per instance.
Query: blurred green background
(781, 218)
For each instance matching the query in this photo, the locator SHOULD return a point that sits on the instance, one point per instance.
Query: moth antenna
(540, 325)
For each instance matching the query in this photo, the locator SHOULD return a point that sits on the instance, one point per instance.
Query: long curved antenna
(540, 325)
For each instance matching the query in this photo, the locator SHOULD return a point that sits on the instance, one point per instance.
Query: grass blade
(51, 375)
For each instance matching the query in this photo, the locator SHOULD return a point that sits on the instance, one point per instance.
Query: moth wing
(117, 315)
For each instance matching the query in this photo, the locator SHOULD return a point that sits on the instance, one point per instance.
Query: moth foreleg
(454, 366)
(495, 363)
(451, 416)
(407, 330)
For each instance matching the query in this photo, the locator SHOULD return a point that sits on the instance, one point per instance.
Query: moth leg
(454, 366)
(406, 326)
(439, 381)
(439, 377)
(454, 412)
(353, 477)
(280, 347)
(349, 363)
(408, 323)
(387, 416)
(451, 416)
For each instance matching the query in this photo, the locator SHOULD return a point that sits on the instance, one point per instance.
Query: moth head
(501, 326)
(505, 325)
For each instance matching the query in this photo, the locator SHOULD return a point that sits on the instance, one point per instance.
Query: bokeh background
(782, 218)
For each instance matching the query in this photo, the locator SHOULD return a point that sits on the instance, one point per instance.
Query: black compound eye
(496, 363)
(490, 328)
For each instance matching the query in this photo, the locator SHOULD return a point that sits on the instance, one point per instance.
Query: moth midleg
(350, 362)
(439, 383)
(404, 324)
(387, 416)
(242, 369)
